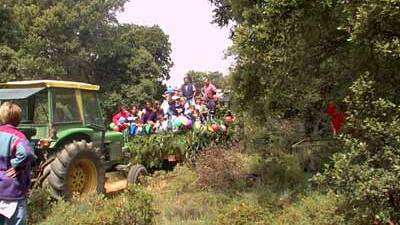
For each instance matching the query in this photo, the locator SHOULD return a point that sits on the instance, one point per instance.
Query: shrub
(39, 205)
(281, 171)
(316, 209)
(217, 168)
(133, 207)
(367, 172)
(244, 213)
(153, 149)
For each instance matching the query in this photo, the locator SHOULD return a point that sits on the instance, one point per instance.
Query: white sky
(196, 43)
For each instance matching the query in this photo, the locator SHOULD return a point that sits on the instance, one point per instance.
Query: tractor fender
(66, 136)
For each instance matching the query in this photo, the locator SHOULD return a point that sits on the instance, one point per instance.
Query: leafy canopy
(82, 41)
(292, 53)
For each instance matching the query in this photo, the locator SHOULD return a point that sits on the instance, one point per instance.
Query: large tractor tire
(137, 174)
(76, 170)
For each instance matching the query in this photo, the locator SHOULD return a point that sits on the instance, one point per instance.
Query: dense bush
(152, 150)
(367, 172)
(39, 205)
(282, 172)
(133, 207)
(218, 168)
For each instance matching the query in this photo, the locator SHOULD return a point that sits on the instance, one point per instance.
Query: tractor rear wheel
(137, 174)
(76, 170)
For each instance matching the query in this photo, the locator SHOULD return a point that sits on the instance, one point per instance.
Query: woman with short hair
(16, 156)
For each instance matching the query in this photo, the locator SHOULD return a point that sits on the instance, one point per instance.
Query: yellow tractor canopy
(49, 84)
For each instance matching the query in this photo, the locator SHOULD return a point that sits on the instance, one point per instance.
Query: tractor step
(122, 167)
(115, 182)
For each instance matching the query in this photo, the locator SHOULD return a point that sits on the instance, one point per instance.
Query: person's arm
(194, 90)
(203, 92)
(115, 119)
(153, 117)
(23, 154)
(214, 89)
(144, 118)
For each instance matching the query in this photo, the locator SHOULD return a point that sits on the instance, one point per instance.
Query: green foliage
(282, 172)
(83, 41)
(133, 207)
(367, 171)
(215, 78)
(39, 205)
(128, 94)
(243, 213)
(181, 200)
(152, 150)
(292, 54)
(316, 209)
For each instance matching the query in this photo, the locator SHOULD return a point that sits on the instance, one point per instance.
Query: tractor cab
(52, 108)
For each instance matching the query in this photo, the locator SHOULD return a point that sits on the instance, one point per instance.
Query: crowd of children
(181, 109)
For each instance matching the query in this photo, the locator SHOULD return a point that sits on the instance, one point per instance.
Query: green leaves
(83, 41)
(367, 173)
(295, 55)
(152, 150)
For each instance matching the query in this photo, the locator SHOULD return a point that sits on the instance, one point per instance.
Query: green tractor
(65, 124)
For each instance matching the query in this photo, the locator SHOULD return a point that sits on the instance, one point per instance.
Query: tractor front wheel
(76, 170)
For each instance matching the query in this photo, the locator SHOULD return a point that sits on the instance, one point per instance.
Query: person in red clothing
(337, 118)
(209, 91)
(120, 118)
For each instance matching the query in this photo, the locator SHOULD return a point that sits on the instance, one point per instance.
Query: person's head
(196, 113)
(122, 108)
(198, 101)
(206, 82)
(134, 109)
(192, 109)
(182, 101)
(187, 80)
(10, 113)
(157, 105)
(148, 105)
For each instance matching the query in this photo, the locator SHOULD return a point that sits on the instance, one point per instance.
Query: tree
(367, 171)
(81, 41)
(216, 78)
(292, 54)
